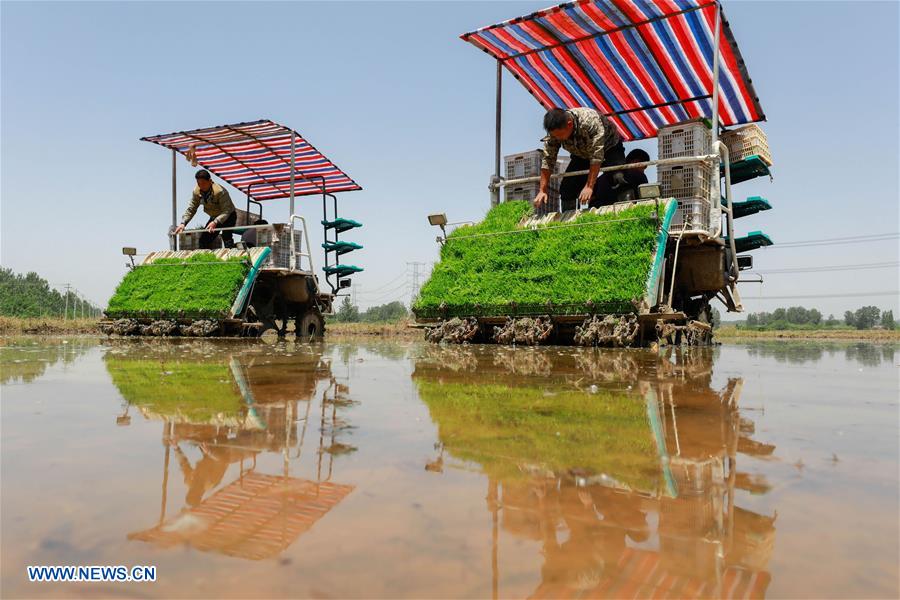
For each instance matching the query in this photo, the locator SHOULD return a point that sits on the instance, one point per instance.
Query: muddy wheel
(310, 325)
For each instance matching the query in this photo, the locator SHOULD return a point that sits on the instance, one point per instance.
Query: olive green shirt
(591, 137)
(217, 204)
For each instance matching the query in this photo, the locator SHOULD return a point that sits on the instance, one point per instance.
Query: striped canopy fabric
(645, 63)
(255, 158)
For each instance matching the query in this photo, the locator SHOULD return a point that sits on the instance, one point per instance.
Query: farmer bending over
(217, 204)
(591, 139)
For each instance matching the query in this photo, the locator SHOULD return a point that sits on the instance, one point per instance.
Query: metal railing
(712, 228)
(497, 183)
(200, 231)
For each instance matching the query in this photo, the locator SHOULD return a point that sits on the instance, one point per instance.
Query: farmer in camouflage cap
(217, 204)
(591, 140)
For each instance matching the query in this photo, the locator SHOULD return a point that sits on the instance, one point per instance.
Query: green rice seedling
(201, 286)
(504, 428)
(600, 258)
(178, 390)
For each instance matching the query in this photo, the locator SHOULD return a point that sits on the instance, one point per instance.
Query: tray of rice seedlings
(199, 286)
(595, 263)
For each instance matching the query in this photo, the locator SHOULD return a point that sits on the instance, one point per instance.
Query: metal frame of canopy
(261, 154)
(497, 181)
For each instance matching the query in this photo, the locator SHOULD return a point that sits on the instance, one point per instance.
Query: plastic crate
(525, 164)
(747, 141)
(690, 185)
(188, 241)
(684, 139)
(522, 191)
(281, 249)
(528, 164)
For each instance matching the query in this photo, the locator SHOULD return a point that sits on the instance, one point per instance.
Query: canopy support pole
(495, 190)
(174, 193)
(293, 169)
(715, 90)
(716, 182)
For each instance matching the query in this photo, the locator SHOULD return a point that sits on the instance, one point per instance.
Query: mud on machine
(672, 71)
(268, 279)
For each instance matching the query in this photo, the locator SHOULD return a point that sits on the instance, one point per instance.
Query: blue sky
(389, 92)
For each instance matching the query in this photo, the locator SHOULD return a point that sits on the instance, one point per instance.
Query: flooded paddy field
(765, 469)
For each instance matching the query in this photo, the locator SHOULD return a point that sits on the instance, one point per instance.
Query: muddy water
(403, 470)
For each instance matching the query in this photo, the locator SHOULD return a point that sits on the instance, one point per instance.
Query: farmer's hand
(179, 228)
(585, 196)
(540, 200)
(211, 226)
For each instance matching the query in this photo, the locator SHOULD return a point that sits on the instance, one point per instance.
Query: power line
(829, 268)
(817, 296)
(859, 239)
(391, 282)
(383, 292)
(390, 296)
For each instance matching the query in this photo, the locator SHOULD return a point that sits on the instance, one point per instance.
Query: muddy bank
(727, 333)
(47, 326)
(400, 330)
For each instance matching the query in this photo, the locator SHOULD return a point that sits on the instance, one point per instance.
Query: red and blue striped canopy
(255, 158)
(645, 63)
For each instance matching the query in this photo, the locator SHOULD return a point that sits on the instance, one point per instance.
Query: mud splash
(524, 332)
(454, 331)
(608, 332)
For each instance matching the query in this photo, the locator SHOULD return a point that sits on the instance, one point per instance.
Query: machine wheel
(310, 325)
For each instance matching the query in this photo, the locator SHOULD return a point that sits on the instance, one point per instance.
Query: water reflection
(23, 360)
(798, 353)
(222, 409)
(621, 465)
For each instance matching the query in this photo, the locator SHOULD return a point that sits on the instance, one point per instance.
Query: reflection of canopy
(255, 517)
(640, 574)
(255, 158)
(649, 63)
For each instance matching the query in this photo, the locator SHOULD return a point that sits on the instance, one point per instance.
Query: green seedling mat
(595, 263)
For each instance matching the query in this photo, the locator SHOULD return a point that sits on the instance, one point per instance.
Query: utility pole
(414, 291)
(66, 310)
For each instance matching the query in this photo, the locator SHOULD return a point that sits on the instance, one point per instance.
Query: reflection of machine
(633, 456)
(266, 161)
(253, 412)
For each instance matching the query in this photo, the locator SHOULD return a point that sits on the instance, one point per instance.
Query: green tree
(797, 315)
(849, 318)
(385, 313)
(815, 317)
(887, 319)
(347, 312)
(866, 317)
(30, 295)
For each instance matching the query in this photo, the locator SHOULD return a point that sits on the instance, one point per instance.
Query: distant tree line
(348, 312)
(799, 317)
(30, 295)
